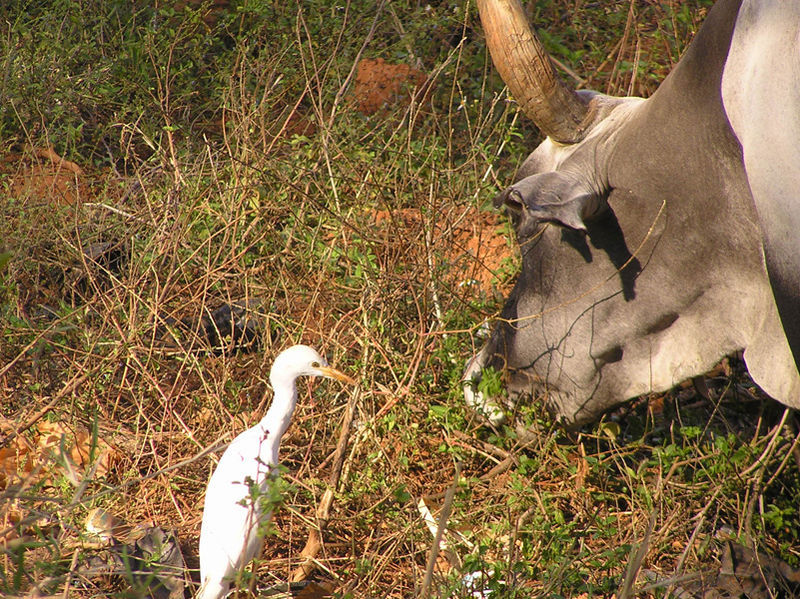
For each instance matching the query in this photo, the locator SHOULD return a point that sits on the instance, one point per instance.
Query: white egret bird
(229, 535)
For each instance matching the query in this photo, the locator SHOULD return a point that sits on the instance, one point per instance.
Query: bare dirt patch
(41, 173)
(471, 251)
(379, 84)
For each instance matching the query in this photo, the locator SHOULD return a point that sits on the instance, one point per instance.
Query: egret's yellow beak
(336, 374)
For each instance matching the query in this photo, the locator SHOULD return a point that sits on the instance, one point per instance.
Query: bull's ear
(551, 196)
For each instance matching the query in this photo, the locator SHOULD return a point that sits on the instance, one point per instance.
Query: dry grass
(358, 237)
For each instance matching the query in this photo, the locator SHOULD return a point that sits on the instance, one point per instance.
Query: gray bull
(660, 235)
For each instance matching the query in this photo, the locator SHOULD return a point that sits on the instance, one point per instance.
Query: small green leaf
(401, 495)
(440, 411)
(610, 430)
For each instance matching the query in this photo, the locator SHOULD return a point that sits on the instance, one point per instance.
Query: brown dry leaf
(204, 416)
(656, 404)
(17, 520)
(15, 460)
(315, 590)
(582, 469)
(22, 456)
(10, 516)
(443, 565)
(104, 454)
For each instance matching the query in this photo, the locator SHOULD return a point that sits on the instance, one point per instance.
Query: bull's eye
(315, 364)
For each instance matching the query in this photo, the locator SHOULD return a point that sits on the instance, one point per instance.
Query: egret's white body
(229, 532)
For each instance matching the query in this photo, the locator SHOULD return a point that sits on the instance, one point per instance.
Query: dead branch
(437, 541)
(314, 542)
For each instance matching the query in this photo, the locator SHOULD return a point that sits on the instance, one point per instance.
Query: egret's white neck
(279, 414)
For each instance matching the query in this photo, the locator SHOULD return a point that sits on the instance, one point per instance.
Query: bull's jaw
(486, 406)
(559, 404)
(522, 383)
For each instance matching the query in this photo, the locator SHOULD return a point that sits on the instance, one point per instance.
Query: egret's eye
(315, 364)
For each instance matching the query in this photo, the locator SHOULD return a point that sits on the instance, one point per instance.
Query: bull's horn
(558, 111)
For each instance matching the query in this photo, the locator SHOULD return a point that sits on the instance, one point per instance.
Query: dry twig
(314, 542)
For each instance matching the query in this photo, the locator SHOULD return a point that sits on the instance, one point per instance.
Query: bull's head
(624, 287)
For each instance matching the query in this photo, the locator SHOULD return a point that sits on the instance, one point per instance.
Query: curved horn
(558, 111)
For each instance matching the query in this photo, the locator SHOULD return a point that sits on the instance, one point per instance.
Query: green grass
(173, 115)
